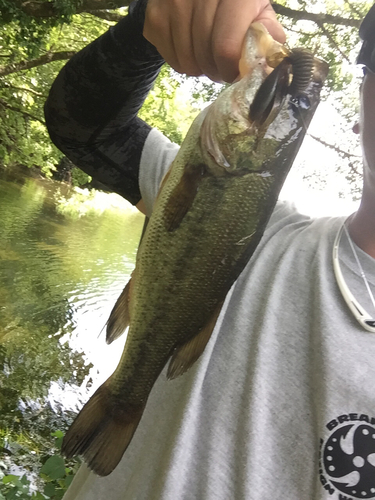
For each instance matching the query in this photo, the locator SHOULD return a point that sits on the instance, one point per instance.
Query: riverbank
(71, 200)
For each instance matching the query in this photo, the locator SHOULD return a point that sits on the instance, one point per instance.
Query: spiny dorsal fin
(186, 355)
(119, 318)
(182, 196)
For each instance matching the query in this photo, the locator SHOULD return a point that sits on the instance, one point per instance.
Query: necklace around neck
(360, 314)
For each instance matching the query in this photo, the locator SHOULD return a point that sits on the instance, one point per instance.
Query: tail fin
(101, 433)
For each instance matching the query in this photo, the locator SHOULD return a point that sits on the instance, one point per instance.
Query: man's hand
(204, 37)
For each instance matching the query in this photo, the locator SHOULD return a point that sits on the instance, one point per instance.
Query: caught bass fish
(210, 214)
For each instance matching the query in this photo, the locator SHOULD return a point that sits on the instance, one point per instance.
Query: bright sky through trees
(37, 37)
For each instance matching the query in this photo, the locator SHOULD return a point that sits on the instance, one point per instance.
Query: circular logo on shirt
(348, 456)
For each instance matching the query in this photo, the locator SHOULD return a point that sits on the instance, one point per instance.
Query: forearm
(92, 107)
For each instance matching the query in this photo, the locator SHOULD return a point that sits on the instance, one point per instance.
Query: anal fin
(187, 354)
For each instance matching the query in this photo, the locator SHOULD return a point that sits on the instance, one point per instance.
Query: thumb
(268, 18)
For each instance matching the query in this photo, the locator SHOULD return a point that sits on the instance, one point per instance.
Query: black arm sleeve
(91, 111)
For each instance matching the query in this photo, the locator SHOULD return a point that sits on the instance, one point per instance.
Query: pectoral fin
(182, 196)
(119, 318)
(186, 355)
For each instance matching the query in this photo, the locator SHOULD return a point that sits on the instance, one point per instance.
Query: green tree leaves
(55, 476)
(35, 36)
(54, 467)
(29, 63)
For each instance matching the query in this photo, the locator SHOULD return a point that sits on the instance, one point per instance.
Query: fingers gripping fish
(208, 219)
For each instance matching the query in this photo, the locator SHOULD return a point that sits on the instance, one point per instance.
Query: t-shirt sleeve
(285, 214)
(157, 156)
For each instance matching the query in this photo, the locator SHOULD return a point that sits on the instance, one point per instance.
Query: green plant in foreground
(54, 479)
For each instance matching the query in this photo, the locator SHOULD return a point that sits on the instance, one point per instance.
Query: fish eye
(302, 101)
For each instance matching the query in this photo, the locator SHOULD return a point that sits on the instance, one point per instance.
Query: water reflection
(59, 279)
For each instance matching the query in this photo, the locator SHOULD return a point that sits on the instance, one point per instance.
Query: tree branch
(45, 59)
(47, 9)
(21, 111)
(340, 152)
(23, 89)
(36, 8)
(333, 42)
(299, 15)
(107, 16)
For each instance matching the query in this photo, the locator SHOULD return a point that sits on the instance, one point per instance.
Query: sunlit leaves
(168, 108)
(23, 138)
(53, 478)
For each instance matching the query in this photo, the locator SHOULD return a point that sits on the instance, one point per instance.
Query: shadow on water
(59, 278)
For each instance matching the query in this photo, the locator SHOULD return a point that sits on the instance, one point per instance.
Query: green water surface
(60, 274)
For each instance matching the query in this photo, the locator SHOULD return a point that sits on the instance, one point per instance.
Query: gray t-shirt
(281, 405)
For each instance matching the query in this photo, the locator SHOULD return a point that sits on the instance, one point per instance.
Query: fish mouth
(266, 52)
(272, 76)
(291, 77)
(289, 72)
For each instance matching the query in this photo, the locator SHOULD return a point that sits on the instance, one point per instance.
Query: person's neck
(362, 224)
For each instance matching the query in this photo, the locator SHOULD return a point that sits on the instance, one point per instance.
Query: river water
(62, 266)
(64, 259)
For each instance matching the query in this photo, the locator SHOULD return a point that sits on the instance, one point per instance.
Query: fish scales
(187, 274)
(207, 220)
(200, 276)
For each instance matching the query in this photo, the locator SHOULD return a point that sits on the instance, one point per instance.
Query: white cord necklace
(360, 314)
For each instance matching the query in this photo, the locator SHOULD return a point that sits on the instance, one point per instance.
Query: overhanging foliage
(37, 37)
